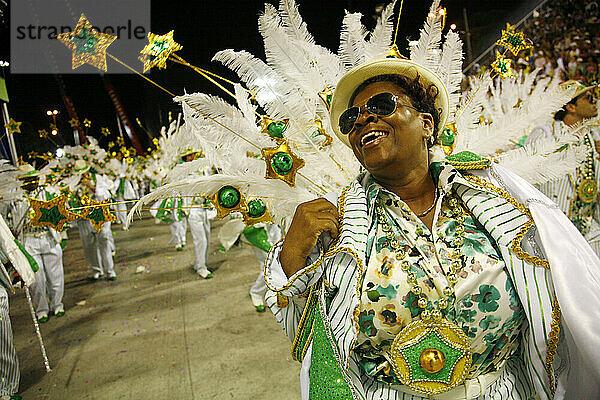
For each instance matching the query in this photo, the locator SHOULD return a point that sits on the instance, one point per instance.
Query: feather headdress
(291, 154)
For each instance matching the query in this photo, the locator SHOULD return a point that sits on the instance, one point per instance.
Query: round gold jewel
(448, 291)
(436, 314)
(423, 302)
(405, 265)
(432, 360)
(442, 303)
(425, 315)
(400, 254)
(452, 278)
(417, 290)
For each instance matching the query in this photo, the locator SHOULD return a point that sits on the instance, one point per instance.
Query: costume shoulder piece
(466, 160)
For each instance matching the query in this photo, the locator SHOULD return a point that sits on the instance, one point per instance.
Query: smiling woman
(409, 288)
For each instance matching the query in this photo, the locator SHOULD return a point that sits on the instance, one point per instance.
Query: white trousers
(50, 279)
(200, 229)
(121, 210)
(9, 363)
(97, 246)
(258, 290)
(178, 231)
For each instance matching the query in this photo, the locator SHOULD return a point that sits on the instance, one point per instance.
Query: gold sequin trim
(553, 342)
(516, 242)
(302, 324)
(484, 163)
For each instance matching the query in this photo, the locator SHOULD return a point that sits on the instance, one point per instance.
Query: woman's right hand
(310, 221)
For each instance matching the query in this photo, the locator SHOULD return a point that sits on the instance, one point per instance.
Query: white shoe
(112, 276)
(205, 273)
(95, 276)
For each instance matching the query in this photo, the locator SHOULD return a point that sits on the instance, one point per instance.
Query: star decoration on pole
(97, 212)
(104, 131)
(74, 122)
(502, 66)
(32, 154)
(87, 44)
(87, 123)
(158, 50)
(120, 141)
(13, 126)
(514, 41)
(282, 163)
(43, 133)
(53, 213)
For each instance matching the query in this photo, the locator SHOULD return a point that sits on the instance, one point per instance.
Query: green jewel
(431, 340)
(228, 197)
(159, 47)
(256, 208)
(447, 137)
(282, 163)
(68, 155)
(85, 42)
(276, 129)
(85, 158)
(101, 165)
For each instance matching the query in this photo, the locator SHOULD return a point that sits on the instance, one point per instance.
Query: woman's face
(393, 144)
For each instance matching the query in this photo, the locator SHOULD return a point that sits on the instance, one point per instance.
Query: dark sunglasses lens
(347, 120)
(382, 104)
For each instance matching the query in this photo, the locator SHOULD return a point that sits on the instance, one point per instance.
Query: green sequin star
(85, 42)
(514, 41)
(13, 126)
(432, 340)
(51, 215)
(502, 66)
(158, 50)
(88, 45)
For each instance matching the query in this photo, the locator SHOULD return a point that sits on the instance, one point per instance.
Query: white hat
(581, 88)
(27, 171)
(389, 66)
(81, 167)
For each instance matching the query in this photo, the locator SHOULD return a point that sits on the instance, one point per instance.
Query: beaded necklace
(587, 189)
(431, 355)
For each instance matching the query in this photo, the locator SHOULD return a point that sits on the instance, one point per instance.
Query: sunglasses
(382, 104)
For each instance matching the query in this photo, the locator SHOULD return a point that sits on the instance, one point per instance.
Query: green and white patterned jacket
(547, 259)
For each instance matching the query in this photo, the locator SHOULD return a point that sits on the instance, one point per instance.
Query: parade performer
(577, 194)
(97, 245)
(43, 244)
(262, 237)
(11, 257)
(422, 277)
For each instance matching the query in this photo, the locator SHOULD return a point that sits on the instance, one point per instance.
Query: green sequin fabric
(326, 379)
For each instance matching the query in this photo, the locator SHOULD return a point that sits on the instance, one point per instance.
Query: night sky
(204, 27)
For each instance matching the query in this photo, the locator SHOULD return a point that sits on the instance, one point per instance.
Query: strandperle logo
(33, 32)
(35, 26)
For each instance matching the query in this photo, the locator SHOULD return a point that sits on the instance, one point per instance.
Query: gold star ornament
(87, 123)
(104, 131)
(502, 66)
(97, 212)
(282, 163)
(226, 200)
(87, 44)
(158, 50)
(53, 213)
(74, 122)
(13, 126)
(514, 41)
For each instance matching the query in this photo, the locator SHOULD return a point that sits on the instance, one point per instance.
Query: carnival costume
(486, 306)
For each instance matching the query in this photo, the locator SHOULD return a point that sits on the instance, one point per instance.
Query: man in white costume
(577, 194)
(97, 246)
(200, 228)
(43, 244)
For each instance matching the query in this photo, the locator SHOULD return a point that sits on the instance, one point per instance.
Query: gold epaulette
(466, 160)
